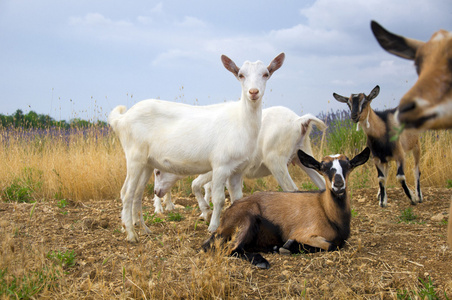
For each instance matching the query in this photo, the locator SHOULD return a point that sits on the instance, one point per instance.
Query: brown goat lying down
(293, 222)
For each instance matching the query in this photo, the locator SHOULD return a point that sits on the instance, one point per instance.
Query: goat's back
(186, 139)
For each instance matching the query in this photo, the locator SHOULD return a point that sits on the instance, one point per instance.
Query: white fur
(336, 165)
(282, 134)
(186, 140)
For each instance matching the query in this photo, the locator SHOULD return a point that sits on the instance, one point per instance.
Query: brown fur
(407, 141)
(301, 216)
(428, 104)
(268, 220)
(379, 128)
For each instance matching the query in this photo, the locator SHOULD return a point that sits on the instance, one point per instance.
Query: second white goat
(282, 134)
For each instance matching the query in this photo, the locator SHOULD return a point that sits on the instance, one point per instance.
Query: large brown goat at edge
(428, 104)
(293, 222)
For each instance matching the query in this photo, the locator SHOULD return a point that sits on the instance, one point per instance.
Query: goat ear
(340, 98)
(395, 44)
(374, 93)
(230, 65)
(308, 161)
(360, 158)
(276, 63)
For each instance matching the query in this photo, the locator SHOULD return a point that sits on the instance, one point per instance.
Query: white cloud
(191, 22)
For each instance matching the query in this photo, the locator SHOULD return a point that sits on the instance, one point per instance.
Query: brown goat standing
(379, 128)
(428, 104)
(277, 221)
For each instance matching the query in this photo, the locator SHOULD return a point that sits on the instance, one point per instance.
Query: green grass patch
(427, 290)
(26, 286)
(449, 184)
(64, 259)
(407, 216)
(23, 188)
(175, 216)
(148, 217)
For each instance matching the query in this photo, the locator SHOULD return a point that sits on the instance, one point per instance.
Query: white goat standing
(185, 139)
(282, 134)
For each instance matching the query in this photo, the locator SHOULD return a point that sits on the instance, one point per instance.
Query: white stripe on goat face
(339, 172)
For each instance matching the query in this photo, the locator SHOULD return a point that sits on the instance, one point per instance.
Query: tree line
(35, 120)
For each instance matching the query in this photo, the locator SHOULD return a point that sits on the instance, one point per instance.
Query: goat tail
(115, 115)
(307, 121)
(449, 230)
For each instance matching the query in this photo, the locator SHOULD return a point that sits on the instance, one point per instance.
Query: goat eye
(265, 75)
(157, 173)
(241, 76)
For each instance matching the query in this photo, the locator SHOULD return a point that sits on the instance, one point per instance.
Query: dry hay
(383, 258)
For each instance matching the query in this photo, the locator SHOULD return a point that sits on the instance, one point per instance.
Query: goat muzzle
(254, 94)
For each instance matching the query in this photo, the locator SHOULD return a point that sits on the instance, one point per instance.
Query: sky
(81, 58)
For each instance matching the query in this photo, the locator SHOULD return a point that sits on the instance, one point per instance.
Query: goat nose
(338, 182)
(254, 91)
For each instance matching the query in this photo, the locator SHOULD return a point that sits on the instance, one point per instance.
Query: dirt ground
(384, 258)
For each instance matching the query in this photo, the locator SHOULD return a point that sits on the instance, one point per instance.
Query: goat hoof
(146, 230)
(170, 207)
(206, 215)
(284, 251)
(263, 265)
(133, 239)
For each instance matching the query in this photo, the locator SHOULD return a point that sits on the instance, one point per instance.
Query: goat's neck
(337, 209)
(251, 113)
(372, 125)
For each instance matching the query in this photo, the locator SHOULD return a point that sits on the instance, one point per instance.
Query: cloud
(191, 22)
(97, 20)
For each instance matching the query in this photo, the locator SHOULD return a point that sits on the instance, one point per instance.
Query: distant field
(89, 163)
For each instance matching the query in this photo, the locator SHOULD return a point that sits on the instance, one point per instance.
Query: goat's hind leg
(137, 200)
(255, 259)
(127, 195)
(401, 178)
(382, 170)
(417, 172)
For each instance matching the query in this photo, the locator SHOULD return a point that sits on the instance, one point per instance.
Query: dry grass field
(64, 241)
(385, 258)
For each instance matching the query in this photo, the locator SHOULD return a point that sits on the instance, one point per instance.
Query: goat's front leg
(218, 182)
(196, 187)
(158, 203)
(158, 208)
(401, 178)
(382, 170)
(320, 242)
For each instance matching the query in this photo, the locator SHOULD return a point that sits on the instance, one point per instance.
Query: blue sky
(82, 58)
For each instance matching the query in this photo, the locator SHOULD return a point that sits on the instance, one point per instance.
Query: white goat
(282, 134)
(185, 139)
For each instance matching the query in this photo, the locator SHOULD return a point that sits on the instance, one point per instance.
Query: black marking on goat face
(357, 103)
(336, 168)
